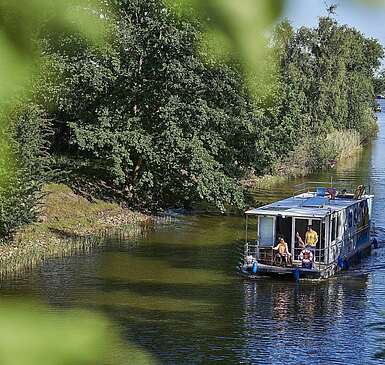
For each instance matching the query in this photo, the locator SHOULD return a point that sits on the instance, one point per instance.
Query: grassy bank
(310, 156)
(67, 223)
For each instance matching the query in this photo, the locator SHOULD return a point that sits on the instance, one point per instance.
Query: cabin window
(340, 224)
(350, 218)
(334, 228)
(356, 214)
(266, 231)
(364, 213)
(316, 225)
(300, 228)
(322, 242)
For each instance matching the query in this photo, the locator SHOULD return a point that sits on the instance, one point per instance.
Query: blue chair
(321, 191)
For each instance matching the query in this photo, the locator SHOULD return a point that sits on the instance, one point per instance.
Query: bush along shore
(307, 158)
(67, 223)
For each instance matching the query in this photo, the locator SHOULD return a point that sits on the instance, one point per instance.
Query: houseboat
(320, 232)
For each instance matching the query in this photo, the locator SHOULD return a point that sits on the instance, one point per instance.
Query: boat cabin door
(284, 230)
(300, 225)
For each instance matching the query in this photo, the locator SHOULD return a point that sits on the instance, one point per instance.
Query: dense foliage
(324, 84)
(29, 132)
(148, 120)
(325, 81)
(163, 127)
(153, 119)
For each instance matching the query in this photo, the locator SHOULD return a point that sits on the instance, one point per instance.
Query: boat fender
(375, 243)
(255, 267)
(346, 264)
(296, 274)
(340, 262)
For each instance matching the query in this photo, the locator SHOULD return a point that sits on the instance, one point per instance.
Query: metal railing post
(247, 241)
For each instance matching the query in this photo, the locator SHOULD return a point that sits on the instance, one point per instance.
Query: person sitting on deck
(306, 257)
(283, 251)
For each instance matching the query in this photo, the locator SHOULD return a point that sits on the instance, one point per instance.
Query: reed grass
(320, 153)
(340, 145)
(68, 224)
(310, 156)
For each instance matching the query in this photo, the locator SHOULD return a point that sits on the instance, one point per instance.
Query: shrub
(19, 196)
(317, 153)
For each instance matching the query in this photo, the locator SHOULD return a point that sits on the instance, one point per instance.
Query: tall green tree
(151, 117)
(325, 82)
(158, 125)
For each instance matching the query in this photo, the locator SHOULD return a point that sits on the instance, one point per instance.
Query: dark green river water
(174, 291)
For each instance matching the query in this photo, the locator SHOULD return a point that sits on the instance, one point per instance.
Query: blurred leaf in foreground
(34, 335)
(21, 24)
(234, 30)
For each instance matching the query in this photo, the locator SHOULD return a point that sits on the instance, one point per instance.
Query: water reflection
(316, 322)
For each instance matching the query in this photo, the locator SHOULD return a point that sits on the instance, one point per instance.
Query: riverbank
(67, 223)
(311, 156)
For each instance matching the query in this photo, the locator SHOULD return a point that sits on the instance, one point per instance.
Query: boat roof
(307, 205)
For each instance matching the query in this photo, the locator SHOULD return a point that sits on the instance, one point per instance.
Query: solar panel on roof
(277, 208)
(317, 201)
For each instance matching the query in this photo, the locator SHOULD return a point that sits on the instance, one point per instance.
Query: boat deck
(282, 271)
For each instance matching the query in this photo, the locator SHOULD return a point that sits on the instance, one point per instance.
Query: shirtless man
(283, 251)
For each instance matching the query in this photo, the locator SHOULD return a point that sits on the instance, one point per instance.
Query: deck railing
(310, 186)
(266, 254)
